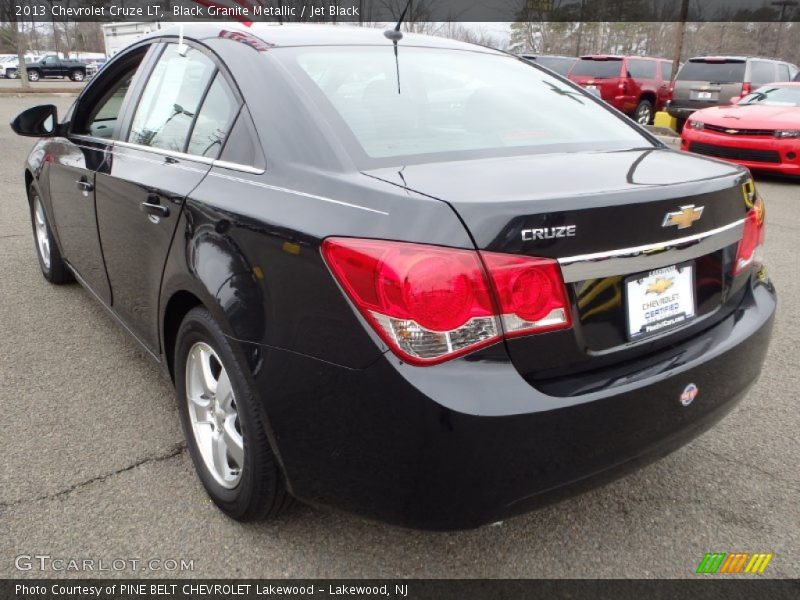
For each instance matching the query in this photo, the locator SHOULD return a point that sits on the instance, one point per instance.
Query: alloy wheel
(213, 415)
(42, 236)
(643, 115)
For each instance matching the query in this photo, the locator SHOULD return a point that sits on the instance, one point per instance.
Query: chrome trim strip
(650, 256)
(172, 153)
(224, 164)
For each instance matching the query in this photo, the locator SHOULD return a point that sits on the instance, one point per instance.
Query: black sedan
(416, 279)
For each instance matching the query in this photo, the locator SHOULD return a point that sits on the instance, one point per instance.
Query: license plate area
(660, 300)
(703, 95)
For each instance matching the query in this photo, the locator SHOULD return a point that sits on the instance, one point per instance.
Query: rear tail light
(671, 93)
(530, 293)
(751, 244)
(746, 89)
(431, 304)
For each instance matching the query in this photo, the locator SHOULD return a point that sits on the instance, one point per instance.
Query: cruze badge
(684, 217)
(548, 233)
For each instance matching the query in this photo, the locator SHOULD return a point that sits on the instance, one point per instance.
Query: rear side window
(783, 73)
(716, 71)
(666, 70)
(214, 119)
(170, 99)
(642, 69)
(762, 71)
(556, 63)
(597, 68)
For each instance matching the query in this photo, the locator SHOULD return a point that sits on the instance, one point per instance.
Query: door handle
(85, 185)
(153, 207)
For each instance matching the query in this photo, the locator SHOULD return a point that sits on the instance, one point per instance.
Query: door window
(762, 72)
(171, 98)
(100, 107)
(214, 120)
(642, 69)
(104, 118)
(783, 73)
(666, 70)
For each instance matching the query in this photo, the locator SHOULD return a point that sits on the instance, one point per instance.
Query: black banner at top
(371, 11)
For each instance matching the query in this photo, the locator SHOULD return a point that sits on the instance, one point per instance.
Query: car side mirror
(39, 121)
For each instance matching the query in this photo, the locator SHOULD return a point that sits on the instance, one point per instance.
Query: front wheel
(52, 265)
(33, 75)
(222, 424)
(644, 112)
(77, 75)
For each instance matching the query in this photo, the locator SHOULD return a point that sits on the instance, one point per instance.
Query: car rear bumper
(680, 112)
(755, 152)
(470, 442)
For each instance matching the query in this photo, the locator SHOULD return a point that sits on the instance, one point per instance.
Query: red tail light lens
(746, 89)
(752, 238)
(431, 304)
(530, 293)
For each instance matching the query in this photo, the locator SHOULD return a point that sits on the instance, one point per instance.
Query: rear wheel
(77, 75)
(222, 425)
(33, 75)
(53, 267)
(644, 112)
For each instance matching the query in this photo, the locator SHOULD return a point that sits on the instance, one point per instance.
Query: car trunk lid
(603, 216)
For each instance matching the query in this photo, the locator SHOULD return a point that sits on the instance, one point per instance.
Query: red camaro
(761, 131)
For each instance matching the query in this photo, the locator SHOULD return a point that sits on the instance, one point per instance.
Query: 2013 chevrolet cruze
(429, 283)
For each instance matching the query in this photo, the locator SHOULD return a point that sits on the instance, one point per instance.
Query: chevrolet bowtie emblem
(684, 217)
(659, 286)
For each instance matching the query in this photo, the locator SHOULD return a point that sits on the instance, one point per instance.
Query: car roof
(619, 57)
(278, 35)
(530, 55)
(733, 57)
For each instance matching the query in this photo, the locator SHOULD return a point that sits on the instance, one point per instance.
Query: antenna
(395, 35)
(182, 48)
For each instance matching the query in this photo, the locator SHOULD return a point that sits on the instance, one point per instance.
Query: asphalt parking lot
(92, 463)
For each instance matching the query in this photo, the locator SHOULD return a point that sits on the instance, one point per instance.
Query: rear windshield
(597, 68)
(717, 72)
(558, 64)
(451, 101)
(773, 96)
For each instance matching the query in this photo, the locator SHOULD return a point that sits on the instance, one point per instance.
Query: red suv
(636, 85)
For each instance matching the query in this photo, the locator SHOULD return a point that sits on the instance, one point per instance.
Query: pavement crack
(176, 450)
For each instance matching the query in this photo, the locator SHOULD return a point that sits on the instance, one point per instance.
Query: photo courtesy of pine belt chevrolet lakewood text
(415, 279)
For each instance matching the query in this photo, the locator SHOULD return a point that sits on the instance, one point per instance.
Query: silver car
(706, 81)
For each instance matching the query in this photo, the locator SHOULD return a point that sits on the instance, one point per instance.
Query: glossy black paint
(457, 445)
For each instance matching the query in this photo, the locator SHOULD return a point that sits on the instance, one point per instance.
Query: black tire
(33, 75)
(679, 123)
(644, 112)
(12, 73)
(77, 75)
(53, 267)
(260, 492)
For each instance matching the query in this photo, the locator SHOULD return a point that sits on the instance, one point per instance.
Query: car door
(72, 168)
(168, 149)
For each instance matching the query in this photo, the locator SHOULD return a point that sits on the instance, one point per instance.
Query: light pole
(783, 4)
